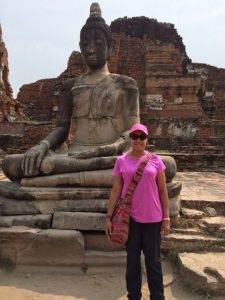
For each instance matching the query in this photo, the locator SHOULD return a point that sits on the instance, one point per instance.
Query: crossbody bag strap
(136, 178)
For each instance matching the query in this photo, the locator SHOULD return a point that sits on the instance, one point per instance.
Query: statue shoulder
(68, 84)
(124, 81)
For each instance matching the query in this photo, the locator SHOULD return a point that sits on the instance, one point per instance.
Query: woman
(149, 214)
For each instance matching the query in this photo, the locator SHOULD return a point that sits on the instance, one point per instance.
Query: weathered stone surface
(214, 224)
(171, 167)
(10, 207)
(98, 241)
(221, 232)
(24, 245)
(210, 211)
(78, 220)
(95, 258)
(192, 213)
(85, 205)
(25, 220)
(15, 191)
(174, 188)
(204, 270)
(98, 178)
(198, 192)
(181, 242)
(38, 221)
(174, 206)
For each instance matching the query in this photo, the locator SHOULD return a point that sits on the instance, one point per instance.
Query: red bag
(121, 215)
(120, 223)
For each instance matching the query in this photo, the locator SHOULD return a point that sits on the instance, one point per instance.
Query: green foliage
(6, 264)
(184, 223)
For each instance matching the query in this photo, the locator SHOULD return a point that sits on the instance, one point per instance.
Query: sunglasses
(135, 136)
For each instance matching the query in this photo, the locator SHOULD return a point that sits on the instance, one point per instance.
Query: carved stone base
(16, 200)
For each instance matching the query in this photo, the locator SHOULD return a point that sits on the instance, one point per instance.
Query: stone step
(182, 242)
(189, 231)
(202, 189)
(54, 247)
(189, 213)
(213, 225)
(200, 204)
(203, 270)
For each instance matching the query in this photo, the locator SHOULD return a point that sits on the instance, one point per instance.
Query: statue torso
(99, 110)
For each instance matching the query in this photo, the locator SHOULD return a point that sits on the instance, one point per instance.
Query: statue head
(96, 40)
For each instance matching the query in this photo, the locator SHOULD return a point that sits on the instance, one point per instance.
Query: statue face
(94, 48)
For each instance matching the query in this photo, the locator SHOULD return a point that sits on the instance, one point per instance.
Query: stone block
(203, 270)
(189, 213)
(210, 212)
(214, 222)
(10, 207)
(181, 242)
(78, 220)
(24, 245)
(39, 221)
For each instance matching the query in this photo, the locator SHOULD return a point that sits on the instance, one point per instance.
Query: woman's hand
(108, 227)
(165, 227)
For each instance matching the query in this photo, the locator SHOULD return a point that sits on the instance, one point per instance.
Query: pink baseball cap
(138, 126)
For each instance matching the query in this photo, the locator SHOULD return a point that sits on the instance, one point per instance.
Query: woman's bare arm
(161, 183)
(114, 196)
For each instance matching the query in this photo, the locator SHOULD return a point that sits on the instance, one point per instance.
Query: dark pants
(146, 237)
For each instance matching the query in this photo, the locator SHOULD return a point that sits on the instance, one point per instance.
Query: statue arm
(60, 133)
(32, 159)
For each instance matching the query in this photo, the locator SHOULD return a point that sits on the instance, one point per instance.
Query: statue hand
(32, 159)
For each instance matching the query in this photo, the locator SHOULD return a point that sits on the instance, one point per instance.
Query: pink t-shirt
(145, 206)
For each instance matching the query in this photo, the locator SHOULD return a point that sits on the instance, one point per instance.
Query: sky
(40, 35)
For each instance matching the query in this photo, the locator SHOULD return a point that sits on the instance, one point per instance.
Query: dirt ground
(107, 284)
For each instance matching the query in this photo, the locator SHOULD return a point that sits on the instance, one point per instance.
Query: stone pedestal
(51, 217)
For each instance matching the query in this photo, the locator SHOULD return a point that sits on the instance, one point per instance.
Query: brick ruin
(182, 103)
(7, 103)
(10, 110)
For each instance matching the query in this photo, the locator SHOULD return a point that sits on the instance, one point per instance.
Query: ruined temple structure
(182, 103)
(7, 103)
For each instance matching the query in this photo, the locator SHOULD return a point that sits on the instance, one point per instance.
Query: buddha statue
(101, 106)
